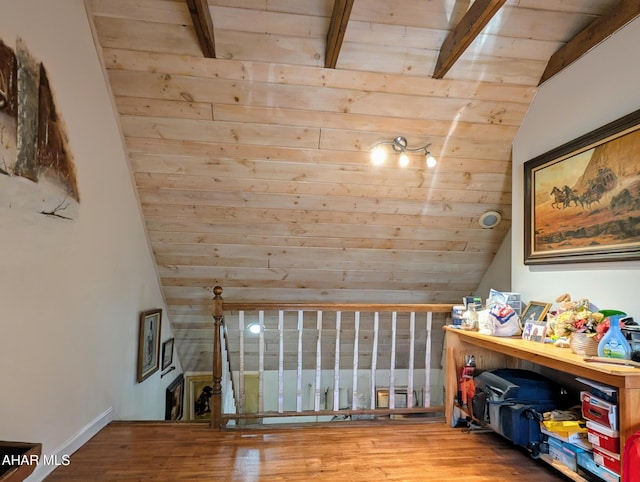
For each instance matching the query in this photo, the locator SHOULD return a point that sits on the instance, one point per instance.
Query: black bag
(512, 402)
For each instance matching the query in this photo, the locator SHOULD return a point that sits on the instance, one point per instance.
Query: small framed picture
(535, 311)
(167, 353)
(174, 404)
(534, 331)
(149, 344)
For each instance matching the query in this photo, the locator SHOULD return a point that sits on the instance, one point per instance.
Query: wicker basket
(584, 345)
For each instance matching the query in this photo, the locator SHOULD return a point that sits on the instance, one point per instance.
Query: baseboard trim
(70, 446)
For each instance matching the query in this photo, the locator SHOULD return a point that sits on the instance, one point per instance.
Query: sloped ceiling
(249, 139)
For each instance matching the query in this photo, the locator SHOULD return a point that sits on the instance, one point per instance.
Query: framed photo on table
(534, 331)
(535, 311)
(149, 343)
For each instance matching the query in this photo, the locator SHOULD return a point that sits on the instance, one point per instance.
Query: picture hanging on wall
(167, 353)
(582, 199)
(33, 142)
(149, 343)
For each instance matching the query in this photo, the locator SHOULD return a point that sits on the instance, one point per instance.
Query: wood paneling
(253, 168)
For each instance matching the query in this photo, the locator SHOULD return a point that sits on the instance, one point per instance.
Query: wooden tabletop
(552, 356)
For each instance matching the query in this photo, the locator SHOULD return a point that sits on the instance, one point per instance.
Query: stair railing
(396, 398)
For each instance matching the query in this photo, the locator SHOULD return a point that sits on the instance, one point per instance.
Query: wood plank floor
(342, 451)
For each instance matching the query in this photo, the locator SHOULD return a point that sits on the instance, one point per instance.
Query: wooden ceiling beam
(465, 32)
(203, 25)
(337, 29)
(592, 35)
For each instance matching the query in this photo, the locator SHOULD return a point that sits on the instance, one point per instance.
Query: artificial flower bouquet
(581, 320)
(578, 317)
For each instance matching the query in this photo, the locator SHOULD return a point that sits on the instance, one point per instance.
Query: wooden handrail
(315, 306)
(225, 338)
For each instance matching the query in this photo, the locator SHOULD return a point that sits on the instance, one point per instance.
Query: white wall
(70, 302)
(498, 275)
(598, 88)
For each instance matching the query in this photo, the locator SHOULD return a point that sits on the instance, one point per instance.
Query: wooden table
(498, 352)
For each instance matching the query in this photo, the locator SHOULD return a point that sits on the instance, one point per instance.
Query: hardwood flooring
(341, 451)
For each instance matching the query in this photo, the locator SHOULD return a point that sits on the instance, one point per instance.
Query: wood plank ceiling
(248, 136)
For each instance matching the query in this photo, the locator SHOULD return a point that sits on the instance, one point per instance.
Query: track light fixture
(399, 145)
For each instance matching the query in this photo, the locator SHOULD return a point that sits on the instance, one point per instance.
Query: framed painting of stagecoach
(582, 199)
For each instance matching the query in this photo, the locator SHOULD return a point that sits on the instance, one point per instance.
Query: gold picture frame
(199, 389)
(582, 200)
(535, 311)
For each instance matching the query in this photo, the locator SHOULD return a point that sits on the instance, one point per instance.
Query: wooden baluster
(316, 405)
(261, 363)
(354, 399)
(392, 362)
(281, 362)
(241, 390)
(374, 358)
(216, 396)
(412, 338)
(427, 363)
(336, 368)
(299, 374)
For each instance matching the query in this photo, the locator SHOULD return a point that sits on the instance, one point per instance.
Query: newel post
(216, 396)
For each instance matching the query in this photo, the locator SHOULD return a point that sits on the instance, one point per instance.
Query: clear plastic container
(470, 319)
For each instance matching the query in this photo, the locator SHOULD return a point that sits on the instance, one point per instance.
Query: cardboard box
(587, 468)
(570, 455)
(603, 437)
(606, 459)
(605, 392)
(555, 448)
(578, 438)
(456, 315)
(564, 452)
(599, 411)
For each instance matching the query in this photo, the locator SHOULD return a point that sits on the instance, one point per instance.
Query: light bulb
(403, 160)
(254, 328)
(431, 161)
(378, 156)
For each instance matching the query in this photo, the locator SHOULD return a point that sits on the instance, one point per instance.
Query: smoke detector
(490, 219)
